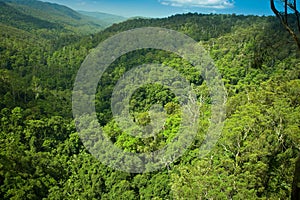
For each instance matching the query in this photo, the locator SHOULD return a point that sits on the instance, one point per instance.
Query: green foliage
(41, 154)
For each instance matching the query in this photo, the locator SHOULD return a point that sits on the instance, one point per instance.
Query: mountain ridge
(55, 14)
(107, 18)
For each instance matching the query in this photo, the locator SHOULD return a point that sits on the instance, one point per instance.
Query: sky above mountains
(163, 8)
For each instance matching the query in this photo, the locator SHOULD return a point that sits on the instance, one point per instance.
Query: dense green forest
(42, 156)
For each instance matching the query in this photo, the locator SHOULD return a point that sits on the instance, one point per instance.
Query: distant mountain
(27, 14)
(107, 19)
(11, 16)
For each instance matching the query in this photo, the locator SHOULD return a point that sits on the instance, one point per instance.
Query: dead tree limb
(284, 18)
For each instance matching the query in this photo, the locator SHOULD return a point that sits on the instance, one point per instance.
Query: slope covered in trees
(42, 155)
(49, 15)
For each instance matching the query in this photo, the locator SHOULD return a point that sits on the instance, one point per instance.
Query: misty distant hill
(106, 18)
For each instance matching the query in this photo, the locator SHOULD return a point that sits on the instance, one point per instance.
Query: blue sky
(163, 8)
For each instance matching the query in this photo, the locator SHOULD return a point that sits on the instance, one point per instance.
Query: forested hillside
(31, 14)
(42, 156)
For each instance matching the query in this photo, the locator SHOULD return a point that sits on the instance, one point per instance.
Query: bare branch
(297, 15)
(284, 19)
(286, 11)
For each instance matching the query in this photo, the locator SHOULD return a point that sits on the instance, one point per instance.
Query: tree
(284, 16)
(296, 189)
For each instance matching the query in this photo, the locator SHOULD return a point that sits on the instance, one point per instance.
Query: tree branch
(296, 181)
(284, 22)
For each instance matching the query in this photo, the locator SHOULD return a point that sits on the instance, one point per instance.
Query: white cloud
(216, 4)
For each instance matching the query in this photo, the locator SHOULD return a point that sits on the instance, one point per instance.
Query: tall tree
(290, 6)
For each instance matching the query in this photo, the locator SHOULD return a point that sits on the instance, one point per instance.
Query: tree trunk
(296, 181)
(284, 20)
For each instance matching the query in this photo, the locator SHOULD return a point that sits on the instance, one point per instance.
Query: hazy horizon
(165, 8)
